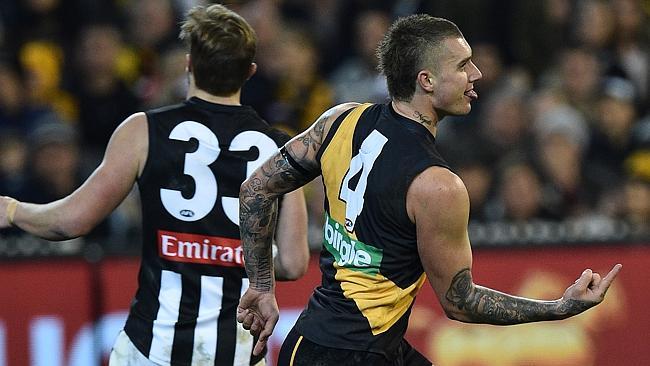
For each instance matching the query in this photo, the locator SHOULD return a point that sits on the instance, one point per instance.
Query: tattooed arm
(438, 204)
(294, 166)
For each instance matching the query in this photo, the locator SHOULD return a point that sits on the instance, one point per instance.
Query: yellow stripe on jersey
(335, 162)
(380, 300)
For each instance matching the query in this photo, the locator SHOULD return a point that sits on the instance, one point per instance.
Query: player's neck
(417, 112)
(234, 99)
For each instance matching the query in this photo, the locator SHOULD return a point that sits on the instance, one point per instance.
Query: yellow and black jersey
(369, 259)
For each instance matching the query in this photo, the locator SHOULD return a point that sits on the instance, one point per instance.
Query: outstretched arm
(437, 202)
(294, 166)
(82, 210)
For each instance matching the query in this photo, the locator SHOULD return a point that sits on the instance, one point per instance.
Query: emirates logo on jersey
(201, 249)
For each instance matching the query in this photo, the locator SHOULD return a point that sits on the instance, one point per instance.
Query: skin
(124, 159)
(437, 202)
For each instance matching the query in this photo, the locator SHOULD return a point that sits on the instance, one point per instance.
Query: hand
(588, 290)
(258, 312)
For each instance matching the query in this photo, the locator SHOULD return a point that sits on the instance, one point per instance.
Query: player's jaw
(456, 103)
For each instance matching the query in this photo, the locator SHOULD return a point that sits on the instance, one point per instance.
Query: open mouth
(471, 94)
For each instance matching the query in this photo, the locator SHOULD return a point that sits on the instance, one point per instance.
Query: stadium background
(555, 154)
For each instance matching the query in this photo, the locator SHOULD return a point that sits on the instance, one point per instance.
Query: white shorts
(125, 353)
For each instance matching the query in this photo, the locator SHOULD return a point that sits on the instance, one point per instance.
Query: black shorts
(299, 351)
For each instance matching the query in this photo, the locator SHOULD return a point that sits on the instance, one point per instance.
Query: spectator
(54, 167)
(104, 99)
(17, 111)
(540, 30)
(357, 78)
(575, 79)
(302, 93)
(631, 48)
(259, 92)
(520, 196)
(504, 125)
(561, 138)
(636, 204)
(478, 179)
(42, 62)
(595, 26)
(51, 20)
(329, 22)
(173, 78)
(53, 163)
(153, 29)
(611, 139)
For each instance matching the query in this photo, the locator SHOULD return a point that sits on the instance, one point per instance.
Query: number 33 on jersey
(197, 166)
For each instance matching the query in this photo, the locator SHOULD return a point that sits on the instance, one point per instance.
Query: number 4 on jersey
(362, 162)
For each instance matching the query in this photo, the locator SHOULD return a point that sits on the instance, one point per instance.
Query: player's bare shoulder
(341, 108)
(135, 123)
(327, 119)
(437, 191)
(131, 137)
(304, 147)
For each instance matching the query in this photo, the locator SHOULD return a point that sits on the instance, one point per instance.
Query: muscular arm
(438, 203)
(258, 196)
(82, 210)
(474, 303)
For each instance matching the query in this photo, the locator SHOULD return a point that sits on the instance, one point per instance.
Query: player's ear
(426, 81)
(252, 69)
(188, 63)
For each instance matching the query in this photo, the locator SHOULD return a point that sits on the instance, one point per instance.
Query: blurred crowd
(561, 130)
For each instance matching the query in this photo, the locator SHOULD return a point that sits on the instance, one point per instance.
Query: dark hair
(222, 47)
(411, 44)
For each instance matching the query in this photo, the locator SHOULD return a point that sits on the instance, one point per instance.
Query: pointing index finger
(610, 276)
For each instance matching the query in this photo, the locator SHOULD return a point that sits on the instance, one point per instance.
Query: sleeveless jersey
(369, 259)
(192, 271)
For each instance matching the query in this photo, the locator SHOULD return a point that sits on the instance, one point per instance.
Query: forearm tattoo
(256, 234)
(258, 202)
(484, 305)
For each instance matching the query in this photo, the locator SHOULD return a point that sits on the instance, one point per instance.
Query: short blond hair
(222, 47)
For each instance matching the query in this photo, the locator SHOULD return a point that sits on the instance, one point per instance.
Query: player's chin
(461, 110)
(467, 103)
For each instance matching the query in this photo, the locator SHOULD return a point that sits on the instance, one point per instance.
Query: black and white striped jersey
(192, 272)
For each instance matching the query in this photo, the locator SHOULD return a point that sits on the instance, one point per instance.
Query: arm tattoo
(258, 199)
(256, 233)
(258, 214)
(311, 143)
(483, 305)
